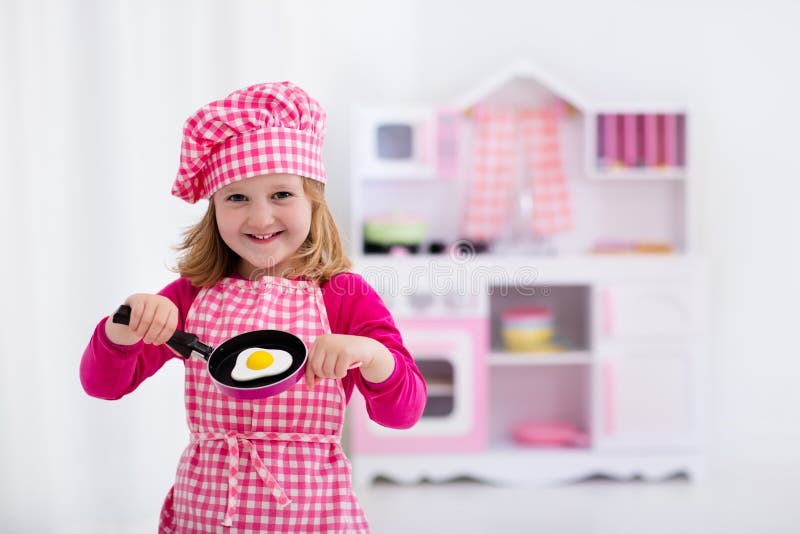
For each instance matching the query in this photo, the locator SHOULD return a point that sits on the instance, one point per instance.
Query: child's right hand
(154, 318)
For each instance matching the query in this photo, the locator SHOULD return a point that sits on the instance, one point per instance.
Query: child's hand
(332, 355)
(153, 318)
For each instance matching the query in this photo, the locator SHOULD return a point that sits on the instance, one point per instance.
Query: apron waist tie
(232, 439)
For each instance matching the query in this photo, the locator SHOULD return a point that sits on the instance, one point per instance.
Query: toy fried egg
(257, 362)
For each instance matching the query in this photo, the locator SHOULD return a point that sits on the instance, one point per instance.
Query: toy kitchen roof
(521, 83)
(525, 84)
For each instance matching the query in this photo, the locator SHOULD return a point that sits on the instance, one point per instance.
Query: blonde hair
(205, 259)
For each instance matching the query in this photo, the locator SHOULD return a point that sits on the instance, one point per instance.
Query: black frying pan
(222, 359)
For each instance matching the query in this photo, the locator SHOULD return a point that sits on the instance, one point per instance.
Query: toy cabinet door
(396, 143)
(646, 398)
(628, 312)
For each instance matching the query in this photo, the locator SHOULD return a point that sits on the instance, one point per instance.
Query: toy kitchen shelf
(532, 358)
(615, 388)
(623, 142)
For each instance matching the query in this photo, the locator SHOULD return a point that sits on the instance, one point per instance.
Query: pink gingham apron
(269, 465)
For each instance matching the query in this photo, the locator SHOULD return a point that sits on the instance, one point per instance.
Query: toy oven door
(450, 354)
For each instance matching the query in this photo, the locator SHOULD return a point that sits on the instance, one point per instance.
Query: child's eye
(280, 195)
(236, 197)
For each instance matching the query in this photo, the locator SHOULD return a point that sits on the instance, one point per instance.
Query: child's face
(264, 220)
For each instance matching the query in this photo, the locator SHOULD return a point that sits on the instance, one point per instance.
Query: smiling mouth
(262, 238)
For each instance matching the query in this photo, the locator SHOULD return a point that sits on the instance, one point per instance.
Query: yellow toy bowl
(526, 339)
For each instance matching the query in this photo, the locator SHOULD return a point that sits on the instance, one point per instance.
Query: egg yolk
(260, 359)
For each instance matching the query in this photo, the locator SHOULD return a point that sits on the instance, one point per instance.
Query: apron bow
(232, 439)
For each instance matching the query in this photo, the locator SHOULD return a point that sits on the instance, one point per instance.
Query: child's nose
(261, 214)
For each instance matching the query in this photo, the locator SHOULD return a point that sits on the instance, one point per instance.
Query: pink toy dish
(550, 434)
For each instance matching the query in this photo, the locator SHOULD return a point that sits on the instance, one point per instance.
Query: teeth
(265, 236)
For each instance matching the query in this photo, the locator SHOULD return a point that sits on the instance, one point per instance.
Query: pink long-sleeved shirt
(109, 371)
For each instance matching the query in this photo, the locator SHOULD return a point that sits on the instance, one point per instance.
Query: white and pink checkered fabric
(262, 129)
(499, 135)
(493, 176)
(552, 210)
(270, 465)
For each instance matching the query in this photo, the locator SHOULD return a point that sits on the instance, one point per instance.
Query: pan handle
(183, 343)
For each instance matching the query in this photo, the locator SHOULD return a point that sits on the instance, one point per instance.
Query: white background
(93, 97)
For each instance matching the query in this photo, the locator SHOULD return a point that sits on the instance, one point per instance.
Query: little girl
(266, 255)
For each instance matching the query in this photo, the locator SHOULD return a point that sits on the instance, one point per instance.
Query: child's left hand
(332, 355)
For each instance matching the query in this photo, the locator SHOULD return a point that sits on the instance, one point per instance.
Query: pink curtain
(499, 136)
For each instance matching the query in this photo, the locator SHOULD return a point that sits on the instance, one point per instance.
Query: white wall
(93, 97)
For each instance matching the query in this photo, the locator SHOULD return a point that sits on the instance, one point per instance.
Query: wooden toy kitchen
(534, 248)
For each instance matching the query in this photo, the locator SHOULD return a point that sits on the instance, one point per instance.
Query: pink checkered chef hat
(262, 129)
